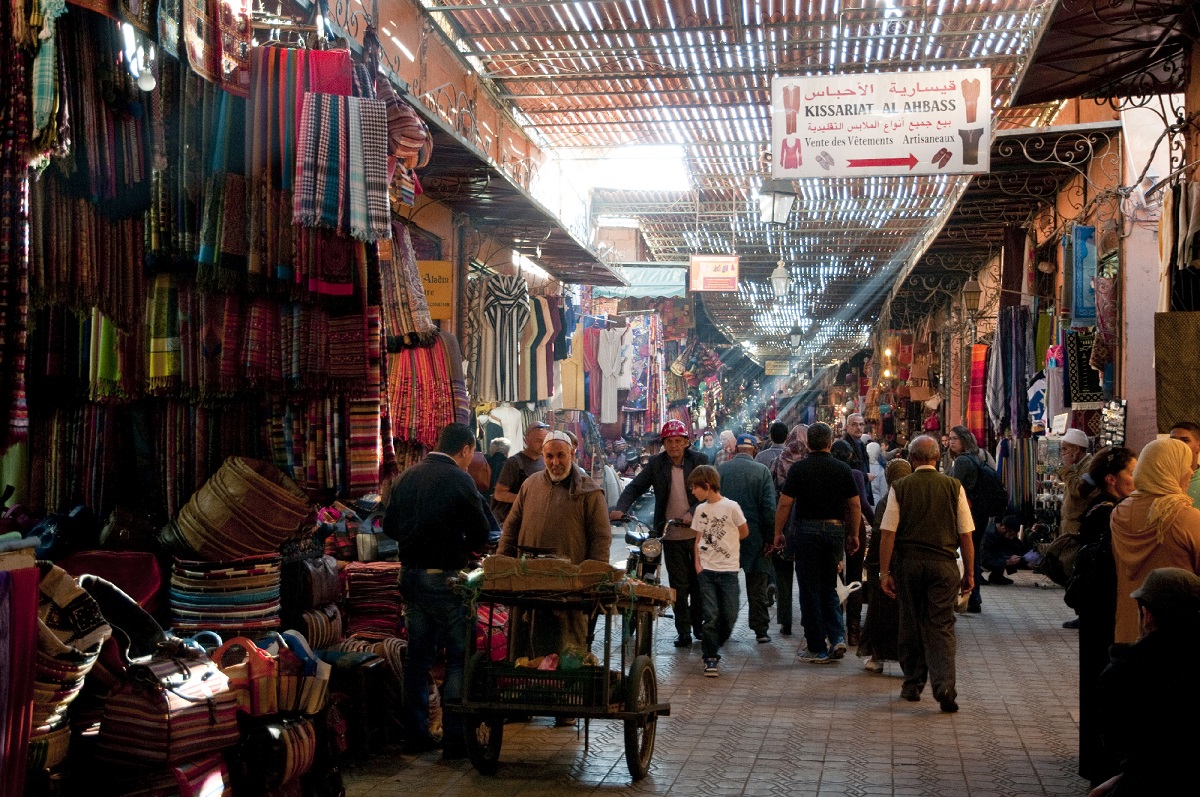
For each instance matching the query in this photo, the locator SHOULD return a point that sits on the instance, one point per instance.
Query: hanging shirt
(609, 358)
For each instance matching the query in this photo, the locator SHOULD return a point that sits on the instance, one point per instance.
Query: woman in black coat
(1093, 593)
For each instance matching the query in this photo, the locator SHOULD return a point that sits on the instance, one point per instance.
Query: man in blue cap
(749, 483)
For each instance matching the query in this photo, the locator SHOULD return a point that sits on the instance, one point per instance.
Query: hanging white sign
(881, 124)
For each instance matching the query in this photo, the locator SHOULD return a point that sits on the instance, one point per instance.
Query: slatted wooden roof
(697, 73)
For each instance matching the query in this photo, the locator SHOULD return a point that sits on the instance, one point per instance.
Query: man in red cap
(667, 472)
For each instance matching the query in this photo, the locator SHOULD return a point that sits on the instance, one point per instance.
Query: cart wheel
(641, 690)
(483, 738)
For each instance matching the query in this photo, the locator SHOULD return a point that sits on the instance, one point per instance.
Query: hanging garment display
(507, 309)
(608, 357)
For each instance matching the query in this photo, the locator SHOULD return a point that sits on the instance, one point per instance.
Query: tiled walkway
(770, 725)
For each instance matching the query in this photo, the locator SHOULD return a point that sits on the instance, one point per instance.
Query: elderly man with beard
(559, 509)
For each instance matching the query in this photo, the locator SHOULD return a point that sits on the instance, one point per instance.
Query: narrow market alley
(771, 725)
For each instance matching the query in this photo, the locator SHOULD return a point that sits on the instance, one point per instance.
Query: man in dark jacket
(749, 483)
(1150, 692)
(667, 472)
(856, 425)
(437, 516)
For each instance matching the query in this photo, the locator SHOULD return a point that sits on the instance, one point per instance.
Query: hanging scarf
(1160, 468)
(162, 318)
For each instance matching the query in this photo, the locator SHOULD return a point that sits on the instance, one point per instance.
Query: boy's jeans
(720, 594)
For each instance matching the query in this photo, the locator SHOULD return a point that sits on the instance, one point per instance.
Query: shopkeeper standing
(517, 468)
(667, 472)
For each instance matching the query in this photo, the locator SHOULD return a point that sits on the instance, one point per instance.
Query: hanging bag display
(173, 707)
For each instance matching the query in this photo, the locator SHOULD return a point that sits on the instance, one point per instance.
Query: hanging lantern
(781, 280)
(775, 200)
(794, 336)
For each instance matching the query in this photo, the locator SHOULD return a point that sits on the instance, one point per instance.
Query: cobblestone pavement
(770, 725)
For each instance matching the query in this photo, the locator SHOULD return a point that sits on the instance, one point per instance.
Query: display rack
(1112, 432)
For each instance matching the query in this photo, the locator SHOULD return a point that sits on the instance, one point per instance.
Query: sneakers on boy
(763, 638)
(710, 668)
(838, 650)
(872, 664)
(814, 658)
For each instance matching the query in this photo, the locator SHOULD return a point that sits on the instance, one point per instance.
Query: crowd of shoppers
(913, 525)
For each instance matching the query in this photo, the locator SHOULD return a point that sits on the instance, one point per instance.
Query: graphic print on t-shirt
(717, 525)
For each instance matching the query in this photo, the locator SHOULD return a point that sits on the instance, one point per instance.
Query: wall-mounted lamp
(972, 292)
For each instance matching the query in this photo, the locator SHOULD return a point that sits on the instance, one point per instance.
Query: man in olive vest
(928, 520)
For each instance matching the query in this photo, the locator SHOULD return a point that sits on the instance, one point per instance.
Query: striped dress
(507, 311)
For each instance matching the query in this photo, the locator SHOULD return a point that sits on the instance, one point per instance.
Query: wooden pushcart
(622, 686)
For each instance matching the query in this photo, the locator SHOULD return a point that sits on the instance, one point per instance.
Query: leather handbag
(277, 753)
(308, 584)
(176, 706)
(253, 675)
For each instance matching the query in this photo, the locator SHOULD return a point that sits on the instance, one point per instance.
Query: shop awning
(1115, 48)
(462, 176)
(649, 282)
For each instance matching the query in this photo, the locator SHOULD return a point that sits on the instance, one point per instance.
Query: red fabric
(24, 609)
(137, 574)
(976, 416)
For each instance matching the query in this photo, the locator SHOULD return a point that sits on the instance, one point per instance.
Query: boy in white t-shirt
(720, 527)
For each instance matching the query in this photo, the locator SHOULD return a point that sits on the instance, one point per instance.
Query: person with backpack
(1092, 592)
(976, 469)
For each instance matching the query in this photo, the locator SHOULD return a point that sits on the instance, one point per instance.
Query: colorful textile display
(226, 597)
(405, 311)
(14, 252)
(373, 607)
(18, 652)
(976, 420)
(341, 166)
(420, 394)
(280, 77)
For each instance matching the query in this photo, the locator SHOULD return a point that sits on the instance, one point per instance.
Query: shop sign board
(438, 278)
(714, 272)
(874, 125)
(777, 367)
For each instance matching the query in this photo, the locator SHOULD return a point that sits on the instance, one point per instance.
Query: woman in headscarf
(1155, 527)
(794, 450)
(728, 449)
(879, 483)
(881, 628)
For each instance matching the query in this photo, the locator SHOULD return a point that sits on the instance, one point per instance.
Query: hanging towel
(976, 420)
(162, 319)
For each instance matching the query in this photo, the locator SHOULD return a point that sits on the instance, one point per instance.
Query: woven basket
(246, 509)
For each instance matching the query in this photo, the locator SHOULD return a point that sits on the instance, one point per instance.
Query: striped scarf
(162, 319)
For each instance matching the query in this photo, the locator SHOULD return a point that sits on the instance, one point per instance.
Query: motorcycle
(645, 551)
